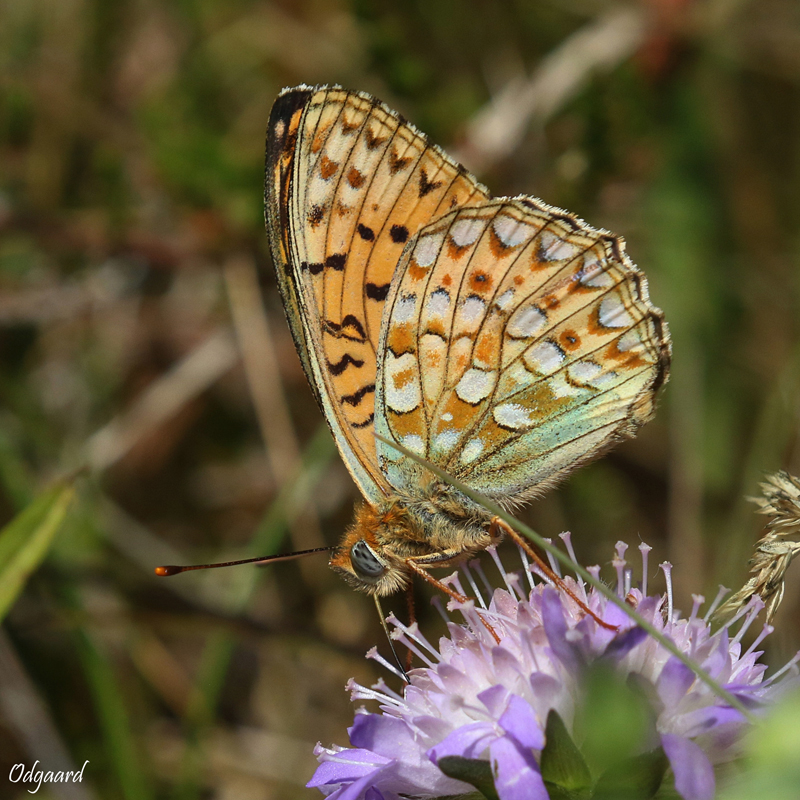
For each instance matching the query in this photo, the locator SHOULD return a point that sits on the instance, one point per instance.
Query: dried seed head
(774, 552)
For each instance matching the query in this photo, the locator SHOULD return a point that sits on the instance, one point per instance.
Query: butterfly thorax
(437, 527)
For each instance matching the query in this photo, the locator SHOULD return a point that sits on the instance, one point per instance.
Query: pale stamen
(765, 631)
(413, 632)
(666, 568)
(554, 565)
(697, 601)
(501, 568)
(376, 656)
(566, 537)
(644, 549)
(478, 567)
(756, 605)
(466, 569)
(619, 563)
(526, 567)
(721, 592)
(784, 669)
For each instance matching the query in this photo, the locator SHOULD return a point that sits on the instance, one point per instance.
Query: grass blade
(24, 542)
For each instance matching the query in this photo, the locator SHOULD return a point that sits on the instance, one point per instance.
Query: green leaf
(25, 540)
(470, 770)
(563, 766)
(636, 778)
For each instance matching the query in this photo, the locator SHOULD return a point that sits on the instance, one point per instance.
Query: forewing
(349, 182)
(518, 343)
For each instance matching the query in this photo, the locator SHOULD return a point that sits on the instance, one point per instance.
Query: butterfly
(501, 339)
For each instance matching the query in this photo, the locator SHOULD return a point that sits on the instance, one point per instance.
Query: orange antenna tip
(169, 570)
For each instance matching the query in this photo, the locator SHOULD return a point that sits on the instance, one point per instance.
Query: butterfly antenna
(389, 638)
(173, 570)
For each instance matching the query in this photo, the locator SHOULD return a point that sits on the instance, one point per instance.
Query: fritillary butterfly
(504, 340)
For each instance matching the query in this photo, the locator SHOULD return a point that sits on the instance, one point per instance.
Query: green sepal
(637, 778)
(472, 771)
(564, 769)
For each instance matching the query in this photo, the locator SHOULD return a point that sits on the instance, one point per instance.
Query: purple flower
(488, 700)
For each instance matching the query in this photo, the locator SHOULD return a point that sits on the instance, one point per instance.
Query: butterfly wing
(348, 183)
(518, 343)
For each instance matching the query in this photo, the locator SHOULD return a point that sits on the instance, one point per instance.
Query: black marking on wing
(336, 261)
(366, 233)
(280, 151)
(372, 140)
(349, 128)
(368, 421)
(399, 233)
(396, 162)
(313, 268)
(570, 221)
(340, 366)
(316, 215)
(356, 398)
(338, 328)
(663, 353)
(376, 292)
(427, 186)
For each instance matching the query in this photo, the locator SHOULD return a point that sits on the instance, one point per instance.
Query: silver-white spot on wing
(612, 313)
(584, 371)
(510, 231)
(544, 357)
(439, 303)
(445, 441)
(553, 248)
(505, 299)
(629, 340)
(525, 322)
(472, 309)
(465, 231)
(405, 309)
(403, 392)
(593, 273)
(428, 248)
(472, 450)
(512, 415)
(475, 385)
(415, 443)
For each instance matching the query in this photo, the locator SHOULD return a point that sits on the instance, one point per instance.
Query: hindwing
(517, 343)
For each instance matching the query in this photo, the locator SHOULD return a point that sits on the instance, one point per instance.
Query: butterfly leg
(498, 528)
(457, 596)
(412, 618)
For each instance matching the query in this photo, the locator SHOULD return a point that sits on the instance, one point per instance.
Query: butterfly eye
(365, 562)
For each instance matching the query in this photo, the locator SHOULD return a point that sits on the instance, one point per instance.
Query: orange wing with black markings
(348, 183)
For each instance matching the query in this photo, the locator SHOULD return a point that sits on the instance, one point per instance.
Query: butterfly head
(365, 560)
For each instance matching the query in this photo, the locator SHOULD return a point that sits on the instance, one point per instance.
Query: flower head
(513, 681)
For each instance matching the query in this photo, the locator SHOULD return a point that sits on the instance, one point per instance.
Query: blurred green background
(133, 343)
